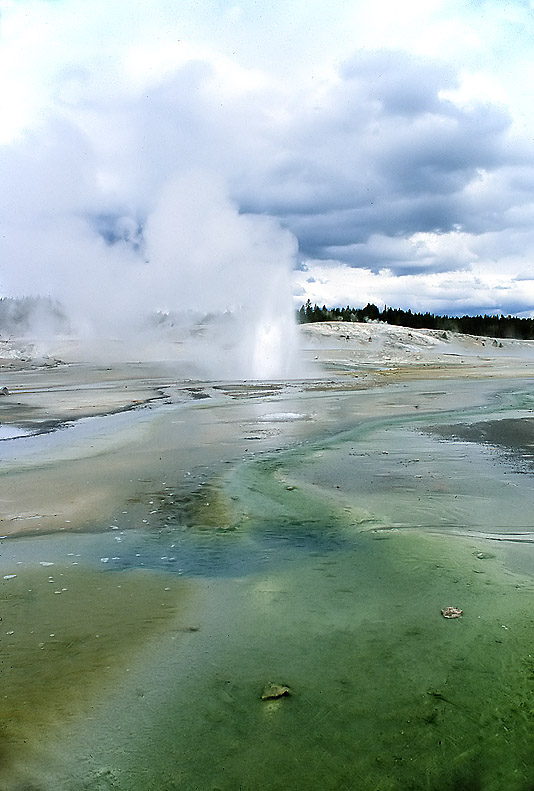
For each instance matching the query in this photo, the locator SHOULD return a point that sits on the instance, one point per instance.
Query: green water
(323, 567)
(386, 693)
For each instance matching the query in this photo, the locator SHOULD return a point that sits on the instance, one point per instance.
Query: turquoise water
(135, 655)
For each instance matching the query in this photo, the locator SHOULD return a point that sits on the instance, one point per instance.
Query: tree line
(497, 326)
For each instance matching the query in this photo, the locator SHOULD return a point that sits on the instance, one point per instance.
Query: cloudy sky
(376, 151)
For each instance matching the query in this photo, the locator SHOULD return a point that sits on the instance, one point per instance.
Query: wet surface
(184, 553)
(513, 437)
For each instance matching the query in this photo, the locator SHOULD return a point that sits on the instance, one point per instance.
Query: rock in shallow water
(274, 691)
(451, 612)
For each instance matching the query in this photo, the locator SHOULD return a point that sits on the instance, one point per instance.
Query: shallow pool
(136, 648)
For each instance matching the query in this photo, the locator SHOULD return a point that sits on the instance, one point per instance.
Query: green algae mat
(322, 569)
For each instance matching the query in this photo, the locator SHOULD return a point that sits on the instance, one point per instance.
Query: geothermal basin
(171, 547)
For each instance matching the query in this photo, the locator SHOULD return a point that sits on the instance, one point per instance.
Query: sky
(177, 155)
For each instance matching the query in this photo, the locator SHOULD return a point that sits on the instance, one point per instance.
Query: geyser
(192, 256)
(212, 259)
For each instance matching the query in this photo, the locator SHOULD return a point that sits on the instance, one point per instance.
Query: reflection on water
(513, 437)
(322, 566)
(12, 432)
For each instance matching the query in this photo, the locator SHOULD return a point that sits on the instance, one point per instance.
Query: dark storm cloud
(332, 235)
(387, 152)
(441, 152)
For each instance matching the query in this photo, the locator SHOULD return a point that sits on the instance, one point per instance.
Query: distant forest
(492, 326)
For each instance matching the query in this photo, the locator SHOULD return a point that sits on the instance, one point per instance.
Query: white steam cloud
(193, 256)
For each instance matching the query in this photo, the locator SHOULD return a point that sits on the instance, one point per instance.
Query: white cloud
(387, 138)
(454, 293)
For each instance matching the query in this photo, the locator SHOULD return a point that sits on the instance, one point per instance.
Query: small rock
(451, 612)
(274, 691)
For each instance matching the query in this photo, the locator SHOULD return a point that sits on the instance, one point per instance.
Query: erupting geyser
(214, 260)
(271, 350)
(190, 256)
(268, 356)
